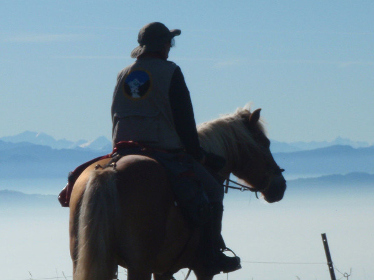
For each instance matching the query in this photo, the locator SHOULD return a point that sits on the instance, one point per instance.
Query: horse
(126, 216)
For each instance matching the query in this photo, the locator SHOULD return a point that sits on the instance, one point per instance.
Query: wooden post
(328, 256)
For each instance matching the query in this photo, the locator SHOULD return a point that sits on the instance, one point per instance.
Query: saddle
(64, 196)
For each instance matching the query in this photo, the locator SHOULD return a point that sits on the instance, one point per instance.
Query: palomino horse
(127, 216)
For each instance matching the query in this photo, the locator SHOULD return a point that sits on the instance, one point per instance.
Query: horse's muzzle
(276, 189)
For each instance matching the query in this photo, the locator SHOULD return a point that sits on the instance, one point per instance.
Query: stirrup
(228, 250)
(235, 259)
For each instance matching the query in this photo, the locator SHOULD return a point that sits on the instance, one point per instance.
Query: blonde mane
(222, 136)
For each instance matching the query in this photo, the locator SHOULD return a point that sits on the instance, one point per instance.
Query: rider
(152, 105)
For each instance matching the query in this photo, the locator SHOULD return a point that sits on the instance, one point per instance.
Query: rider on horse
(152, 106)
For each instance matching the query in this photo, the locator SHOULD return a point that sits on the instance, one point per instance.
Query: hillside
(351, 180)
(15, 198)
(329, 160)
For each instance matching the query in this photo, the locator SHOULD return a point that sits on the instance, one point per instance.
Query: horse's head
(256, 165)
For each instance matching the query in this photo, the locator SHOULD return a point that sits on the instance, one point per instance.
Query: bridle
(242, 188)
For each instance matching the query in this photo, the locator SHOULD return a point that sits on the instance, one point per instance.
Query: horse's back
(134, 172)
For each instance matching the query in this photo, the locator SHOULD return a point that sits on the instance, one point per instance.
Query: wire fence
(346, 275)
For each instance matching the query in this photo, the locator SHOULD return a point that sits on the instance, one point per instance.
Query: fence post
(328, 256)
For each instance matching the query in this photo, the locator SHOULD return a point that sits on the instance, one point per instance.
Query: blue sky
(308, 64)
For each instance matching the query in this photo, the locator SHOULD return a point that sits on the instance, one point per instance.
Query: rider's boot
(215, 261)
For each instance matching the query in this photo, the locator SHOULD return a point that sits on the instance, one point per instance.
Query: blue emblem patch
(137, 84)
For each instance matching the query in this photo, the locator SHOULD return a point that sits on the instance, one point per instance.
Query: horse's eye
(263, 140)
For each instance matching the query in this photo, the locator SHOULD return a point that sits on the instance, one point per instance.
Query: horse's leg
(133, 274)
(162, 276)
(158, 277)
(202, 276)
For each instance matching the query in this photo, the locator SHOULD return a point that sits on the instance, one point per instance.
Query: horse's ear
(254, 117)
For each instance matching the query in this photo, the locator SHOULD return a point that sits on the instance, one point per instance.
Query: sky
(308, 64)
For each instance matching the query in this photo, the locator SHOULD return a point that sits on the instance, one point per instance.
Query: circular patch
(137, 84)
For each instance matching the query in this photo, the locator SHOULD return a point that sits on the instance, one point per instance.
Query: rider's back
(141, 108)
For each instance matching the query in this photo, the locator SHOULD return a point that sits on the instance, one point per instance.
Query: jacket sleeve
(183, 115)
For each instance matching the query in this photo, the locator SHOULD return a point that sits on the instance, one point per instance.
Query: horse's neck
(219, 144)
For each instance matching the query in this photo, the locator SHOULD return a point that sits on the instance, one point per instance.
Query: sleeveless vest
(141, 109)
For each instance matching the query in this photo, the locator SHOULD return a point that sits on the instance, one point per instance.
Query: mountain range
(21, 157)
(278, 147)
(103, 144)
(27, 160)
(39, 138)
